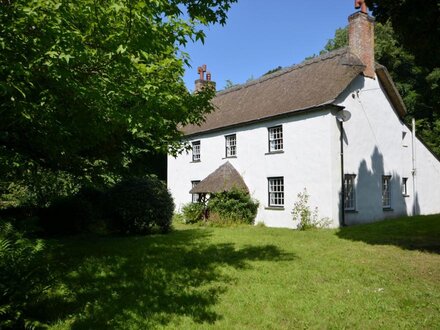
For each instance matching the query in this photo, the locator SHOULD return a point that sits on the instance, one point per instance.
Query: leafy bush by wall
(24, 276)
(193, 212)
(304, 216)
(140, 206)
(233, 206)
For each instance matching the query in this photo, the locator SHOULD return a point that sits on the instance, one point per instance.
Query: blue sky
(262, 34)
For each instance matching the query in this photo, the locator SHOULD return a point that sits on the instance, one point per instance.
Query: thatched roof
(222, 179)
(306, 86)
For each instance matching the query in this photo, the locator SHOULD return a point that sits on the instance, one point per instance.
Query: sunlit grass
(384, 275)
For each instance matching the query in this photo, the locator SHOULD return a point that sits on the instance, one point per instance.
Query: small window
(276, 191)
(404, 139)
(195, 197)
(386, 191)
(349, 192)
(231, 145)
(196, 151)
(405, 186)
(275, 138)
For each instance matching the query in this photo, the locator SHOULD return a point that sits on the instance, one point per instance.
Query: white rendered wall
(374, 146)
(308, 161)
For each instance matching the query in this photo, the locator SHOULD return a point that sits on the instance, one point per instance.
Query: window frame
(230, 147)
(272, 194)
(405, 186)
(347, 179)
(193, 199)
(196, 151)
(386, 189)
(277, 141)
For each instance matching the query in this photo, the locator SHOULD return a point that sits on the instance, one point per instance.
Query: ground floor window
(405, 186)
(195, 197)
(276, 191)
(349, 192)
(386, 191)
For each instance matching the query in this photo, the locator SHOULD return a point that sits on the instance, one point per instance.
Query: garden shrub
(193, 212)
(304, 216)
(24, 276)
(233, 206)
(139, 206)
(79, 213)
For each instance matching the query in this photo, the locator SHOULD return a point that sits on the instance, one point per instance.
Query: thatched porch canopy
(222, 179)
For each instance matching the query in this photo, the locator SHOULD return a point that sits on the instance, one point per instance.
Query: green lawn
(383, 275)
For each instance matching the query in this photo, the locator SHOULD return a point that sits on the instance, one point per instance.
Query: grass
(383, 275)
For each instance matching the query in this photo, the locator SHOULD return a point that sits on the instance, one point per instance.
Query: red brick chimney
(361, 39)
(201, 82)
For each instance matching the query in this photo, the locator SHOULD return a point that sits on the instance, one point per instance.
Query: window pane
(231, 145)
(195, 197)
(196, 151)
(276, 191)
(404, 186)
(275, 138)
(349, 192)
(386, 191)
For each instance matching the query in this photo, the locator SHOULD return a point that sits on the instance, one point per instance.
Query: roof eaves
(390, 89)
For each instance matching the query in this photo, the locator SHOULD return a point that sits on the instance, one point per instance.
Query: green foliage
(193, 212)
(304, 216)
(278, 68)
(229, 84)
(79, 213)
(93, 89)
(233, 206)
(140, 206)
(416, 24)
(24, 276)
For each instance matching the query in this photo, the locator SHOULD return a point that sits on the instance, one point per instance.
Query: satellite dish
(343, 116)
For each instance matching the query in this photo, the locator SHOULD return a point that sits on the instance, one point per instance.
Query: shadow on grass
(412, 233)
(143, 282)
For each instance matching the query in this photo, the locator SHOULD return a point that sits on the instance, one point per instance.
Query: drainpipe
(342, 116)
(342, 174)
(413, 171)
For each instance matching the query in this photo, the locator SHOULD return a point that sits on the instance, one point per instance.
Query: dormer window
(275, 138)
(196, 151)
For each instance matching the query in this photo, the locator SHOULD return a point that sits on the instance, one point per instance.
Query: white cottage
(333, 125)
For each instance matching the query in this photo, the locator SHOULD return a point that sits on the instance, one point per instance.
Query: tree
(417, 25)
(92, 88)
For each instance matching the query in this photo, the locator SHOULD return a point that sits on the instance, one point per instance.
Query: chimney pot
(201, 82)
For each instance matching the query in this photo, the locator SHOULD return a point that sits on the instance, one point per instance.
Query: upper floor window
(349, 192)
(231, 145)
(386, 191)
(276, 191)
(196, 151)
(275, 138)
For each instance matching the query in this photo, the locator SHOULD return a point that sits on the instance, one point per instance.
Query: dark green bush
(79, 213)
(140, 206)
(193, 212)
(233, 206)
(24, 276)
